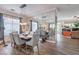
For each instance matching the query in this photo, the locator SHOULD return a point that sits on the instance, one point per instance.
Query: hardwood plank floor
(64, 46)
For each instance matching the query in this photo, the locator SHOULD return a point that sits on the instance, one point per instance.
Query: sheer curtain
(10, 24)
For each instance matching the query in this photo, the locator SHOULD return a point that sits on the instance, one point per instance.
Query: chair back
(17, 40)
(35, 39)
(11, 37)
(51, 34)
(42, 33)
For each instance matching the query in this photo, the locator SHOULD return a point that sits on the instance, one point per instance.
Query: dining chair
(12, 40)
(18, 42)
(51, 34)
(42, 33)
(34, 42)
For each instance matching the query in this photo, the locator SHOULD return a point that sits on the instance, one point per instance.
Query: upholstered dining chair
(34, 42)
(12, 40)
(51, 34)
(18, 42)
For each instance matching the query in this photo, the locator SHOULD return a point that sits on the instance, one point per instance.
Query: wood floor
(65, 46)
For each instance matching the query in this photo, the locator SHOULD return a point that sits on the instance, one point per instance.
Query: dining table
(25, 37)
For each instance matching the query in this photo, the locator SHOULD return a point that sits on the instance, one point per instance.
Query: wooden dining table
(25, 37)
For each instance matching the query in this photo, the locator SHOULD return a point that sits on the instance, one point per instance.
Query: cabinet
(75, 33)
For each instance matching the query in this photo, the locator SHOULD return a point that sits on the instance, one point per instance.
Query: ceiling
(64, 11)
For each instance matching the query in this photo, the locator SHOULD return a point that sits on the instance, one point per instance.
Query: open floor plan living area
(39, 29)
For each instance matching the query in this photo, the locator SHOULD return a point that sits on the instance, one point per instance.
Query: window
(52, 26)
(34, 26)
(10, 24)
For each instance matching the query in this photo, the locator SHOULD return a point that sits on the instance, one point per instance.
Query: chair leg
(38, 49)
(26, 50)
(33, 50)
(19, 48)
(12, 44)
